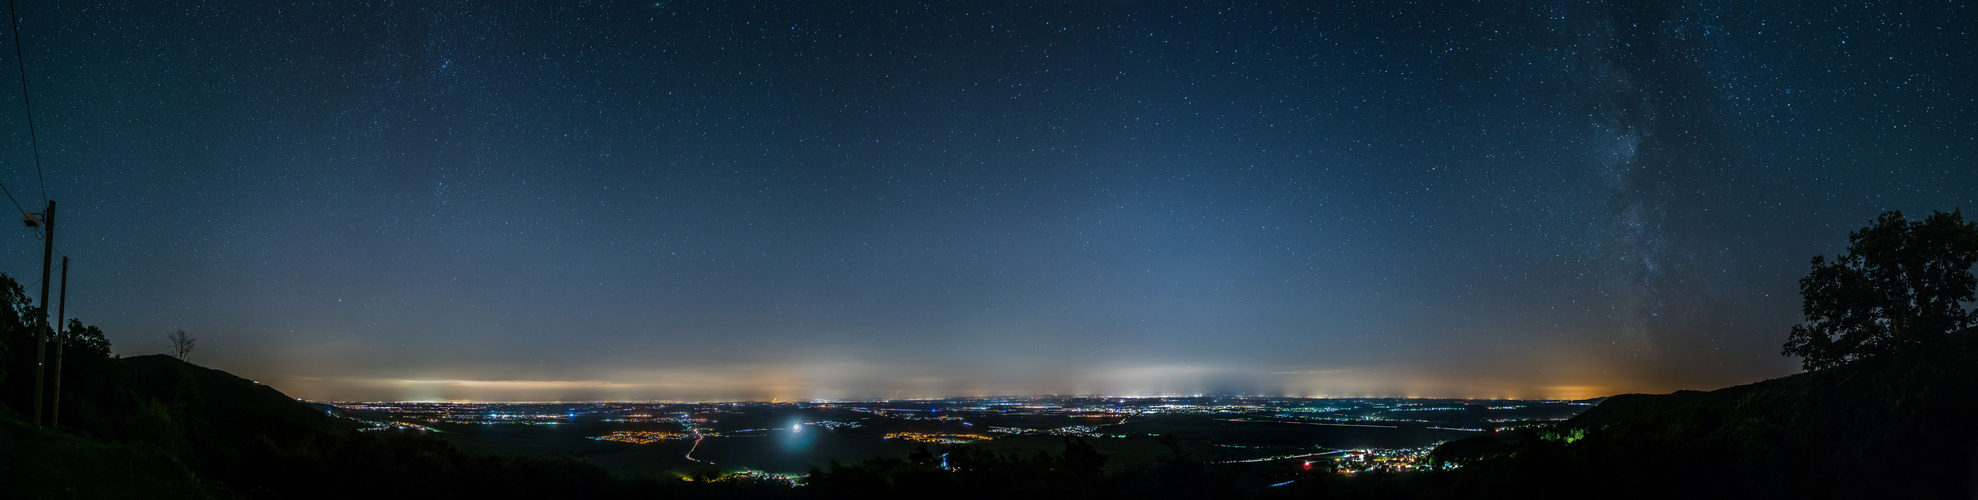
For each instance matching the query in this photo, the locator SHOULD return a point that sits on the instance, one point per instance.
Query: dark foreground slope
(41, 463)
(172, 429)
(1900, 426)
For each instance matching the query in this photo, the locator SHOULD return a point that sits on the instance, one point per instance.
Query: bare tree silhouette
(181, 344)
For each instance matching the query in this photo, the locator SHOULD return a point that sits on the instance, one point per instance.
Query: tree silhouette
(1899, 284)
(181, 344)
(1082, 460)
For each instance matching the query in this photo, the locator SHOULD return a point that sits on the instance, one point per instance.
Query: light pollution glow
(828, 382)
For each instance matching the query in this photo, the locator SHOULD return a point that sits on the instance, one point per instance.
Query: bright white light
(797, 428)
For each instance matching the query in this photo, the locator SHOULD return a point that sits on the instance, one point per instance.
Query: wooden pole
(61, 337)
(41, 335)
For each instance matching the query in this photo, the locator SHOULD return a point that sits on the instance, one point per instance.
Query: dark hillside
(1898, 426)
(222, 399)
(196, 432)
(251, 440)
(39, 463)
(231, 429)
(220, 411)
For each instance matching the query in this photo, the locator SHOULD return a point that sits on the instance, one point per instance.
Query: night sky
(797, 200)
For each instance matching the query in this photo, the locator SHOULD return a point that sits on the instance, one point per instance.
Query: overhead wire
(34, 143)
(27, 105)
(34, 139)
(10, 197)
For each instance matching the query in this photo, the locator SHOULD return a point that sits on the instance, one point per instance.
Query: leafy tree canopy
(1900, 283)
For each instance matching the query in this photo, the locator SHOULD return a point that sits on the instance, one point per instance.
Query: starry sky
(674, 200)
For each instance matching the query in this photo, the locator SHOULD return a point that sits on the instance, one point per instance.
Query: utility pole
(61, 337)
(41, 336)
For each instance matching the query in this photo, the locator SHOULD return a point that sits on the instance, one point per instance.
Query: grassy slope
(44, 464)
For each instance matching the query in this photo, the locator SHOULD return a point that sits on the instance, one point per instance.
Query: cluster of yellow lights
(641, 437)
(938, 437)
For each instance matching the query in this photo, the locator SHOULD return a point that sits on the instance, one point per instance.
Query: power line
(20, 60)
(34, 142)
(10, 197)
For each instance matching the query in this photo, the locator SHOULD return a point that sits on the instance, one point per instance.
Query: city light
(1415, 426)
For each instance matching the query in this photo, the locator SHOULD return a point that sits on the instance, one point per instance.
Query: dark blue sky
(710, 200)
